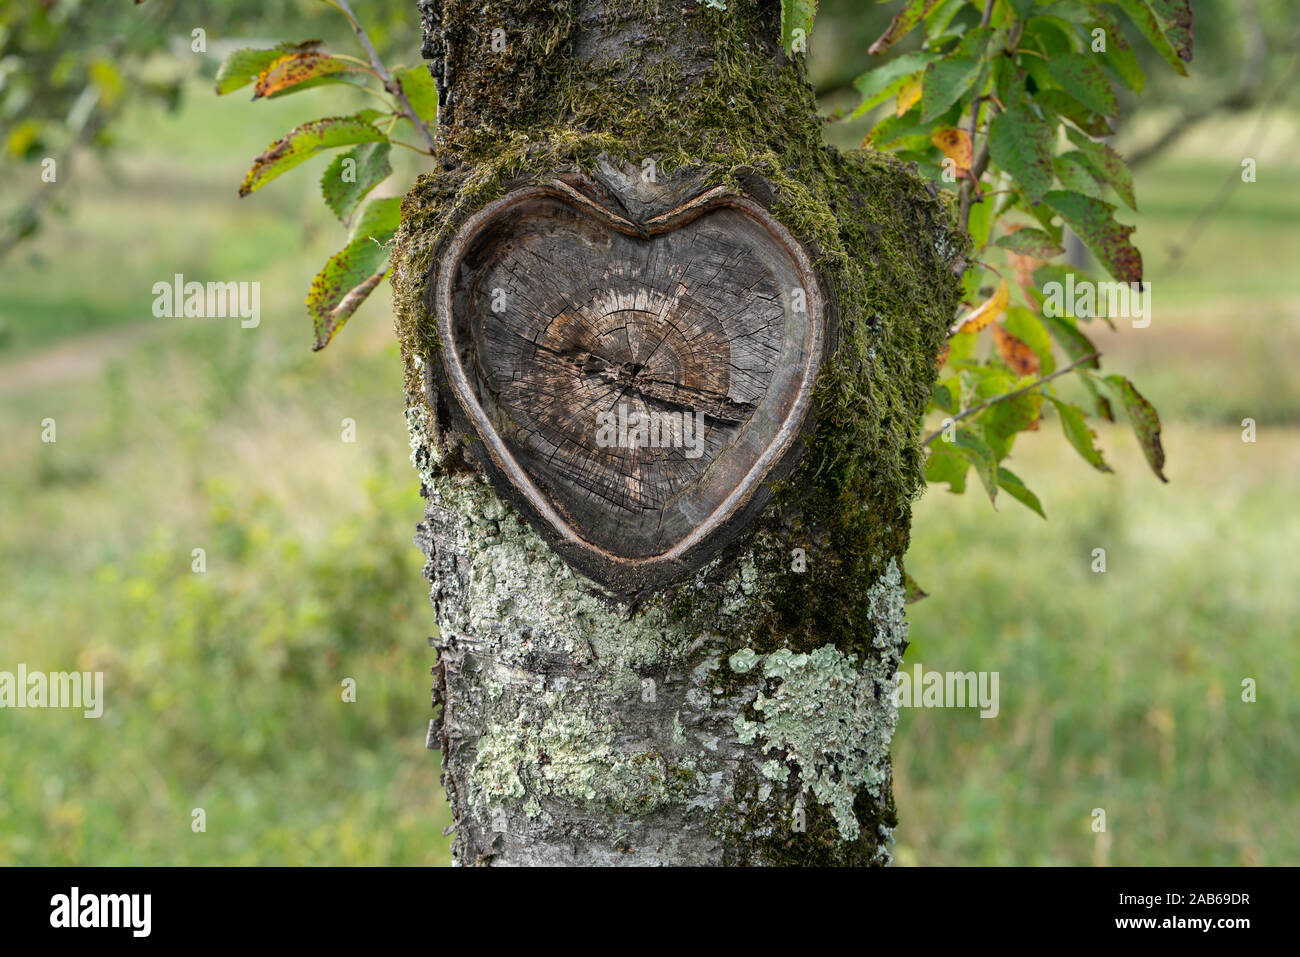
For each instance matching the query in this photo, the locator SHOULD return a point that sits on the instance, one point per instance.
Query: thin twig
(975, 409)
(969, 186)
(391, 85)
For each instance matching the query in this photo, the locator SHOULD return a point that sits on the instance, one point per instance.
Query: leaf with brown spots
(354, 272)
(306, 141)
(242, 67)
(296, 71)
(956, 145)
(1093, 221)
(1144, 419)
(1021, 359)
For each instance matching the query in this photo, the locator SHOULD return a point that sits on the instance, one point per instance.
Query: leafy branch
(1008, 396)
(405, 95)
(1010, 103)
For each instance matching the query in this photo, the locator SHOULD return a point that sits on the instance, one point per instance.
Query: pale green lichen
(832, 719)
(574, 758)
(743, 660)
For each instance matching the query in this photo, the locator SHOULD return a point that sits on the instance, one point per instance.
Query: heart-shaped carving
(632, 383)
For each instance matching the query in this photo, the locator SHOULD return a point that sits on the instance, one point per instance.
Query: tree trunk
(647, 655)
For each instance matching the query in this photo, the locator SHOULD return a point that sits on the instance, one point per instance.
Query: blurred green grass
(223, 689)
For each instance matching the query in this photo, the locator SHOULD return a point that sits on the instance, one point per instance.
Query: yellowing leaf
(955, 145)
(908, 94)
(297, 70)
(987, 312)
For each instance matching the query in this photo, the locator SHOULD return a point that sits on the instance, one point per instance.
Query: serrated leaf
(913, 12)
(1144, 419)
(1107, 165)
(944, 83)
(242, 67)
(353, 273)
(304, 142)
(1062, 104)
(1080, 75)
(1075, 174)
(987, 311)
(1013, 486)
(292, 71)
(1020, 142)
(1093, 221)
(1075, 426)
(1172, 36)
(876, 86)
(352, 175)
(796, 15)
(1028, 241)
(1120, 55)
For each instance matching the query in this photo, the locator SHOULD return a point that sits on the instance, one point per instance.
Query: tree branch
(975, 409)
(391, 85)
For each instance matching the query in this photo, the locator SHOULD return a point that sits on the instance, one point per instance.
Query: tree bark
(730, 705)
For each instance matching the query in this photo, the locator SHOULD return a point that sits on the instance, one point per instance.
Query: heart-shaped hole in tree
(633, 384)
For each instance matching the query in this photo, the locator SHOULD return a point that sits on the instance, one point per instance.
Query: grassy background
(1119, 691)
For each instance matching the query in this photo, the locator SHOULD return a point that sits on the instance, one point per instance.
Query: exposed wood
(633, 381)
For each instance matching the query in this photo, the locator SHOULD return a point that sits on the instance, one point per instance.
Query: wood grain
(569, 324)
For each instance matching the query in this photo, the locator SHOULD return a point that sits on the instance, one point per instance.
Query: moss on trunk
(719, 766)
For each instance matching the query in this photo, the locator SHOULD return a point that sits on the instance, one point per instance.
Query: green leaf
(1144, 419)
(354, 272)
(1075, 426)
(1062, 104)
(1093, 221)
(304, 142)
(1075, 173)
(1081, 77)
(1119, 56)
(352, 175)
(1020, 142)
(418, 85)
(944, 83)
(974, 450)
(947, 395)
(943, 467)
(913, 12)
(876, 86)
(1005, 420)
(796, 15)
(1107, 165)
(1171, 35)
(242, 67)
(1017, 489)
(1028, 241)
